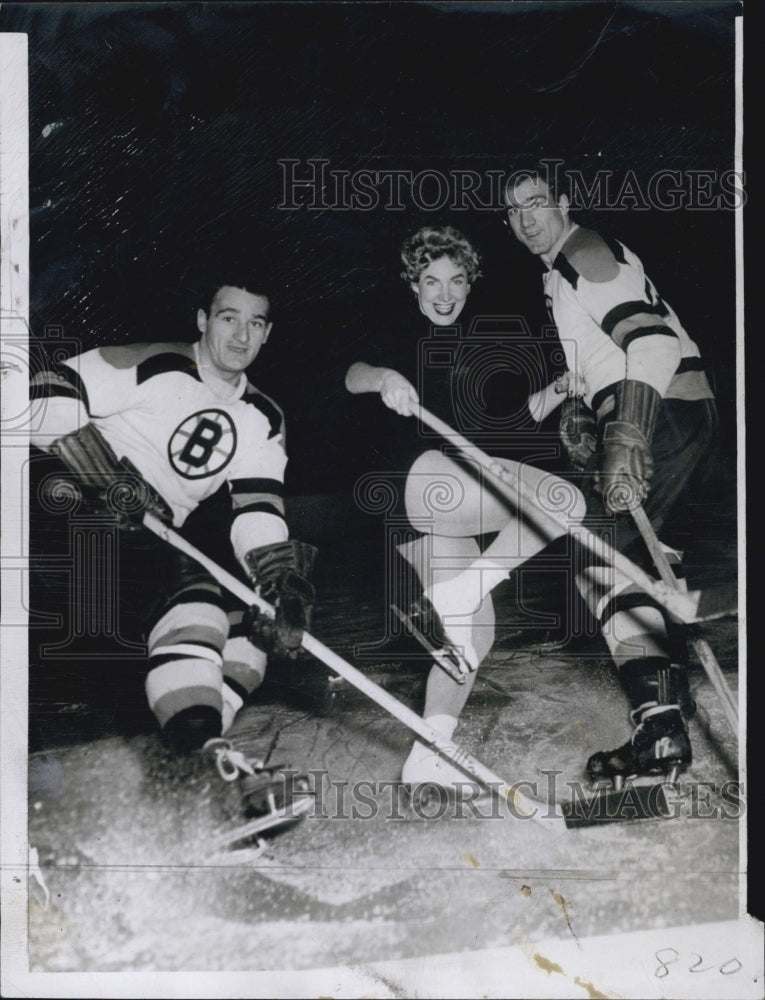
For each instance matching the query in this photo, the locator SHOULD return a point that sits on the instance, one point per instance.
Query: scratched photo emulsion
(373, 484)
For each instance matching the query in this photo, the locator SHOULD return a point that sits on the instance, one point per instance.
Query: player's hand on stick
(626, 468)
(398, 393)
(281, 573)
(626, 465)
(578, 432)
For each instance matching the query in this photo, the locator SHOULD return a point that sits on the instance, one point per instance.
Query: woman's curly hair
(433, 242)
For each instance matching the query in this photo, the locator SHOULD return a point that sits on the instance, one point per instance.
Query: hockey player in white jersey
(648, 419)
(163, 426)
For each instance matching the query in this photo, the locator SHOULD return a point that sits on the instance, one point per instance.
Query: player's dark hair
(254, 284)
(433, 242)
(549, 172)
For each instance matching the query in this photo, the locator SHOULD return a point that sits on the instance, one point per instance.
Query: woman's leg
(444, 697)
(451, 499)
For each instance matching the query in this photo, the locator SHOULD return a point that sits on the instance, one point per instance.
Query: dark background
(155, 131)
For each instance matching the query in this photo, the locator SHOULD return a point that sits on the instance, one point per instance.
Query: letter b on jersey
(203, 444)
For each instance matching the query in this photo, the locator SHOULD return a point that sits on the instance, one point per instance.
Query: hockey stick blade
(631, 804)
(715, 602)
(696, 606)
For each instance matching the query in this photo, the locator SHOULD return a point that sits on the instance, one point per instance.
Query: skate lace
(229, 762)
(665, 747)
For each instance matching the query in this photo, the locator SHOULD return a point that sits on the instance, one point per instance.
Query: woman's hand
(398, 393)
(571, 384)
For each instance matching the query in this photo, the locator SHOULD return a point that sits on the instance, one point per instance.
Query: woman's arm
(395, 391)
(542, 403)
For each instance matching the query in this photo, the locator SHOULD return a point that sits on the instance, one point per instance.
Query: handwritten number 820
(672, 956)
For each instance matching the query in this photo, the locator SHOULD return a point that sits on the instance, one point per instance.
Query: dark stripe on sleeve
(257, 486)
(270, 411)
(690, 365)
(59, 380)
(624, 310)
(565, 268)
(261, 507)
(52, 389)
(160, 364)
(646, 331)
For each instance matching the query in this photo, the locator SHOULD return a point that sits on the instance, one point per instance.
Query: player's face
(233, 331)
(441, 291)
(534, 217)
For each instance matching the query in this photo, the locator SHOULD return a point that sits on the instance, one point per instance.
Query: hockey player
(649, 418)
(162, 426)
(455, 614)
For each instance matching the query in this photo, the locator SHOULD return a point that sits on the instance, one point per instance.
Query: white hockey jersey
(186, 432)
(613, 324)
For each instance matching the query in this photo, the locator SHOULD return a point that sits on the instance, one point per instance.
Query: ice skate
(430, 783)
(275, 796)
(424, 623)
(659, 746)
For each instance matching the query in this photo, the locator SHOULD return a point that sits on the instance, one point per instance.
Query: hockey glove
(626, 465)
(281, 573)
(578, 432)
(105, 482)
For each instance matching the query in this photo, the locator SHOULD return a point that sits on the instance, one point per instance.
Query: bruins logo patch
(202, 444)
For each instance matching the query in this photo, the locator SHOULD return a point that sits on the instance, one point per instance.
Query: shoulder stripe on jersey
(626, 309)
(160, 364)
(646, 331)
(616, 248)
(262, 507)
(272, 486)
(268, 408)
(570, 273)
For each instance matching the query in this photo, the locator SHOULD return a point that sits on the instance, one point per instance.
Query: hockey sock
(232, 702)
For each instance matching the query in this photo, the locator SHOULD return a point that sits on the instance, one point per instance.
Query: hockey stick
(689, 607)
(520, 805)
(701, 646)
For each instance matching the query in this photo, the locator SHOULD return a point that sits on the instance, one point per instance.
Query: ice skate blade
(632, 803)
(450, 662)
(279, 820)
